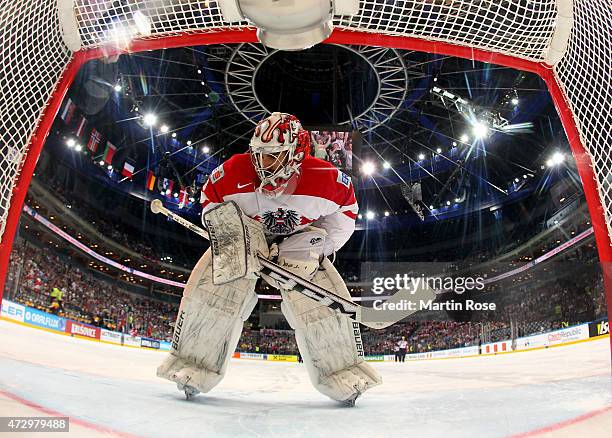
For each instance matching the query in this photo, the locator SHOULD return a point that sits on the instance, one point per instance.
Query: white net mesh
(585, 76)
(32, 59)
(33, 55)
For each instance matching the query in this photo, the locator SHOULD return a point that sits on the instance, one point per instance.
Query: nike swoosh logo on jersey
(241, 186)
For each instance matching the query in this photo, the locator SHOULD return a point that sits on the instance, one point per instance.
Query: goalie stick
(373, 318)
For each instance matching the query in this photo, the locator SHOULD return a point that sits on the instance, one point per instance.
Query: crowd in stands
(536, 306)
(35, 272)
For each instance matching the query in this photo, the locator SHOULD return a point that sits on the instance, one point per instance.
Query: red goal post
(43, 44)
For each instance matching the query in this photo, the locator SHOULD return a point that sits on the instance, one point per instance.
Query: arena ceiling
(412, 109)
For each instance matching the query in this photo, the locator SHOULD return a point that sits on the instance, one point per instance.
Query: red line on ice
(73, 420)
(563, 424)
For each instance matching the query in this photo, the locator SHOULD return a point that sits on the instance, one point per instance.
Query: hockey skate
(350, 402)
(189, 391)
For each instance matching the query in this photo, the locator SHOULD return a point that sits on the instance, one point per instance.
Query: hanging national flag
(128, 170)
(150, 180)
(68, 111)
(94, 140)
(109, 152)
(167, 186)
(81, 127)
(183, 197)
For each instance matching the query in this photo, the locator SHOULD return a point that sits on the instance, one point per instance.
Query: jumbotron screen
(335, 145)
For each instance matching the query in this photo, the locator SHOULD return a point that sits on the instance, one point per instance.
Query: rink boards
(35, 318)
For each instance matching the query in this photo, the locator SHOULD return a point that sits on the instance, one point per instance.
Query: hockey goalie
(279, 202)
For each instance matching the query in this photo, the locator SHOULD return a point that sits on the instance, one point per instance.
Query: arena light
(164, 129)
(386, 214)
(454, 143)
(71, 142)
(78, 148)
(205, 150)
(174, 135)
(439, 151)
(149, 119)
(556, 159)
(515, 101)
(421, 157)
(117, 88)
(457, 200)
(480, 129)
(143, 23)
(448, 202)
(368, 168)
(386, 165)
(431, 207)
(188, 142)
(109, 167)
(101, 162)
(464, 138)
(370, 215)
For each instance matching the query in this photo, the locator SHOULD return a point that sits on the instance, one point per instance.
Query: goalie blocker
(219, 297)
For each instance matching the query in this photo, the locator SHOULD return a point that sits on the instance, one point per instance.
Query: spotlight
(431, 207)
(101, 163)
(117, 88)
(188, 142)
(386, 214)
(480, 130)
(421, 156)
(149, 119)
(205, 150)
(199, 71)
(386, 165)
(164, 129)
(176, 195)
(70, 142)
(558, 158)
(109, 167)
(515, 101)
(516, 180)
(369, 215)
(457, 200)
(143, 23)
(448, 203)
(368, 168)
(359, 216)
(464, 138)
(78, 148)
(439, 151)
(174, 135)
(454, 143)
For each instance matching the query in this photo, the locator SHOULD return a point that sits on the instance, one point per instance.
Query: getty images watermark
(420, 293)
(393, 291)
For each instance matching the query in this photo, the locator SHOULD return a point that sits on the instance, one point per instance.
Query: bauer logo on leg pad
(176, 339)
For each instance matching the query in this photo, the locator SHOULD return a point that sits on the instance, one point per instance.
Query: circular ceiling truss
(388, 65)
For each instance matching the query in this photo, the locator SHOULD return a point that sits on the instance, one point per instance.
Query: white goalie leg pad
(329, 342)
(207, 328)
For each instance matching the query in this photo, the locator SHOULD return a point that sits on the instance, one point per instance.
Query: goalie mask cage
(43, 43)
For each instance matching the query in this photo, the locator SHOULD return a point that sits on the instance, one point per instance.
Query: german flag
(150, 180)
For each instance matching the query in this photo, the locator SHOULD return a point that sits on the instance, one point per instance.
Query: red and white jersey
(324, 198)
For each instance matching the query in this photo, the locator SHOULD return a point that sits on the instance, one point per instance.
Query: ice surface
(115, 387)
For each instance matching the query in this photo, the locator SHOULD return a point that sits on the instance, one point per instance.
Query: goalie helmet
(278, 147)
